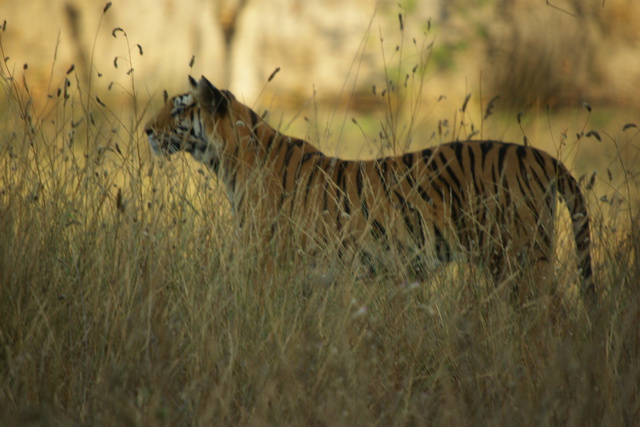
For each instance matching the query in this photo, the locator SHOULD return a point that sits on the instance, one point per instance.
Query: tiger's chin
(155, 146)
(163, 148)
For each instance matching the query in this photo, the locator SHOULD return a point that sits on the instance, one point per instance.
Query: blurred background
(531, 53)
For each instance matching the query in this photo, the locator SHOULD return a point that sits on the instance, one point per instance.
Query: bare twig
(561, 9)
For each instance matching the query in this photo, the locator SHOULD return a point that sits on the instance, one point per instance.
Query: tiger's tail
(574, 198)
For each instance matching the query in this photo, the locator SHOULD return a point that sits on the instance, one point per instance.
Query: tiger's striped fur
(489, 200)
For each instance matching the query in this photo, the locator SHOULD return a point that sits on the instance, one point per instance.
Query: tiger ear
(210, 97)
(193, 82)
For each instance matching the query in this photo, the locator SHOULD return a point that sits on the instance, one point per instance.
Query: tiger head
(204, 122)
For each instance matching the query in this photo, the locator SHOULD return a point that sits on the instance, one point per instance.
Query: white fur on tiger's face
(491, 201)
(185, 132)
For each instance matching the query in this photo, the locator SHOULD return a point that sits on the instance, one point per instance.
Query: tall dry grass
(127, 298)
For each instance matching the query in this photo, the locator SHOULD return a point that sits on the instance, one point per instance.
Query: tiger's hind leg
(502, 273)
(525, 275)
(523, 254)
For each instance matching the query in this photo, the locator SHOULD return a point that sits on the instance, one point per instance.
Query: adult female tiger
(489, 200)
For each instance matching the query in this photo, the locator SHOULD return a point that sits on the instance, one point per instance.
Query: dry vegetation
(126, 298)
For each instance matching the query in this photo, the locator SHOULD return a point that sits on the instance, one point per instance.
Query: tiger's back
(487, 200)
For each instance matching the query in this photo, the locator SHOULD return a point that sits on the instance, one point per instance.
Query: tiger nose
(148, 131)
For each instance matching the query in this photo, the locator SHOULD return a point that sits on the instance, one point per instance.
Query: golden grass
(127, 298)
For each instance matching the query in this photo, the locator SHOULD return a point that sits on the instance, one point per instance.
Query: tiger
(489, 201)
